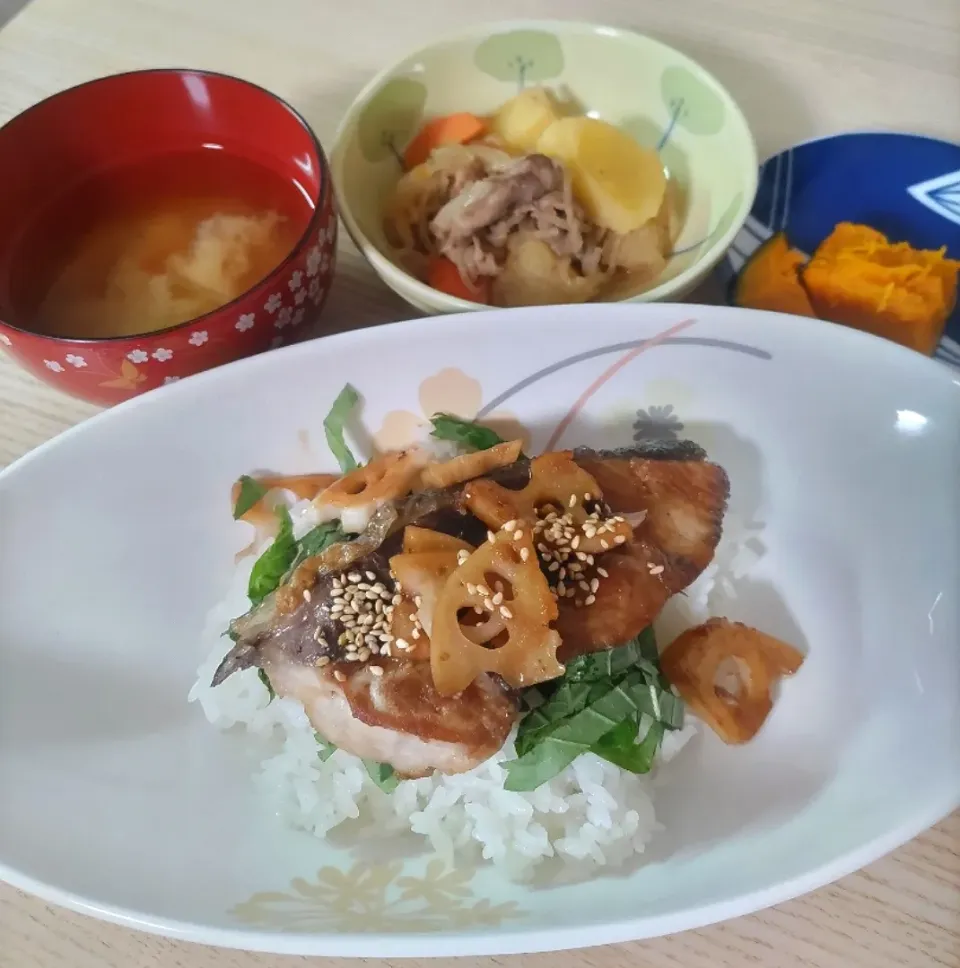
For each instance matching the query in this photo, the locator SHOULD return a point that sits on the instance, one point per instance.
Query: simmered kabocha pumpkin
(771, 280)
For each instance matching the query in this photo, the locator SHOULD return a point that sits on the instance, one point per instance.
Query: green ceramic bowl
(664, 99)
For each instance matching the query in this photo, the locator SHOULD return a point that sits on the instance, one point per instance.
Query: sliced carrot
(445, 276)
(451, 129)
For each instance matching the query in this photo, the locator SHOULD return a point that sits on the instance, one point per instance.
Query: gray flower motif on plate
(657, 423)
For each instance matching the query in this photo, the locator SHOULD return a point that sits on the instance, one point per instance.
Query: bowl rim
(319, 203)
(503, 940)
(424, 293)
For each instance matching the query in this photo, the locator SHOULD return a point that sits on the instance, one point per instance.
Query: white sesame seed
(571, 592)
(510, 525)
(603, 573)
(471, 588)
(584, 585)
(416, 633)
(619, 539)
(339, 676)
(505, 612)
(587, 496)
(403, 645)
(370, 575)
(363, 655)
(491, 537)
(483, 590)
(605, 545)
(657, 571)
(354, 576)
(323, 660)
(498, 598)
(594, 584)
(517, 535)
(553, 566)
(524, 554)
(573, 500)
(590, 599)
(561, 588)
(376, 670)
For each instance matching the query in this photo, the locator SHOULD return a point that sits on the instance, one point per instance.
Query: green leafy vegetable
(569, 699)
(275, 562)
(251, 492)
(597, 706)
(333, 427)
(265, 679)
(326, 749)
(621, 748)
(467, 433)
(316, 540)
(609, 663)
(382, 774)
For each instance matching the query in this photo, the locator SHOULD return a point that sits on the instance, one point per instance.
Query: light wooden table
(799, 68)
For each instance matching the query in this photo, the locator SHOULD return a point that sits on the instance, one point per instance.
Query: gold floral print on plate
(377, 898)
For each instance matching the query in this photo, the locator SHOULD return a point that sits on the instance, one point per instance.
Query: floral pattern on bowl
(388, 897)
(270, 315)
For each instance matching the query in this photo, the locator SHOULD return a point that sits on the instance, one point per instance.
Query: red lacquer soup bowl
(99, 132)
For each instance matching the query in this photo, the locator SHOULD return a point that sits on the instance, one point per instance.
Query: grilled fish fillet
(684, 502)
(396, 716)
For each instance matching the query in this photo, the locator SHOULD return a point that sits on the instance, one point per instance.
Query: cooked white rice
(592, 814)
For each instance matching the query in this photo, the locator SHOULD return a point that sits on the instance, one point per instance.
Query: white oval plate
(119, 800)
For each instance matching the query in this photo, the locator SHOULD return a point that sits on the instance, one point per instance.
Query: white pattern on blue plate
(940, 195)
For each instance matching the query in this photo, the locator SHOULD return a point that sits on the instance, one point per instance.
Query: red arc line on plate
(608, 374)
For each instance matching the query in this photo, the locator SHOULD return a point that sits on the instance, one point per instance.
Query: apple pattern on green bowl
(663, 99)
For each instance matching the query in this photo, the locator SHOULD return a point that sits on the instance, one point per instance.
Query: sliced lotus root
(510, 635)
(468, 466)
(724, 672)
(417, 539)
(422, 577)
(557, 495)
(385, 478)
(410, 640)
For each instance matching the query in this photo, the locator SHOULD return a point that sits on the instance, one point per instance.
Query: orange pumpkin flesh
(770, 280)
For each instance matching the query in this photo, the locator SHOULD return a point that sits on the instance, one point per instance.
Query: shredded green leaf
(318, 539)
(265, 679)
(467, 433)
(275, 562)
(621, 748)
(251, 492)
(382, 774)
(596, 666)
(597, 706)
(333, 427)
(326, 749)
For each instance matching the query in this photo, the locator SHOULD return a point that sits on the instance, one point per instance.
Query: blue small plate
(904, 185)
